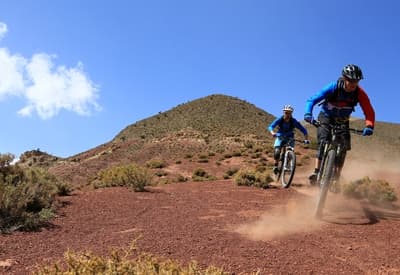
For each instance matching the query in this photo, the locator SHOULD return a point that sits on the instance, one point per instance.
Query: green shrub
(132, 176)
(248, 144)
(227, 155)
(27, 196)
(201, 175)
(231, 171)
(375, 191)
(181, 178)
(156, 163)
(202, 160)
(237, 154)
(250, 177)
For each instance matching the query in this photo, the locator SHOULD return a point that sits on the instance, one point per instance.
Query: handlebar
(317, 123)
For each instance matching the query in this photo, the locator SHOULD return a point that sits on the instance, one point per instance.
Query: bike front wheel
(326, 180)
(288, 168)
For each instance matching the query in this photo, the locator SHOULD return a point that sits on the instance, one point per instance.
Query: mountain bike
(287, 162)
(333, 157)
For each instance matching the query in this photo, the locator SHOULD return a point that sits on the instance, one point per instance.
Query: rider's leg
(277, 153)
(342, 157)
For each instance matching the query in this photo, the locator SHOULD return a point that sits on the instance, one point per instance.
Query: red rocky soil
(240, 229)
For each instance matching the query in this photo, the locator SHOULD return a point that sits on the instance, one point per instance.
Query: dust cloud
(295, 217)
(376, 166)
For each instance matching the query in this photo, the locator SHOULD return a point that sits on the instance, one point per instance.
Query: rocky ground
(240, 229)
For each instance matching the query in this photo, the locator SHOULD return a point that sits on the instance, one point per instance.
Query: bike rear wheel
(326, 180)
(288, 168)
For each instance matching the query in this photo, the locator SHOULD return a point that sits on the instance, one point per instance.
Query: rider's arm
(367, 108)
(318, 97)
(301, 128)
(272, 126)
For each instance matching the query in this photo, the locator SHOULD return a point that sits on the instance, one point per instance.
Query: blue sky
(74, 73)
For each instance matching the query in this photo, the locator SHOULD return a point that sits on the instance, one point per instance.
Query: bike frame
(287, 151)
(332, 161)
(336, 143)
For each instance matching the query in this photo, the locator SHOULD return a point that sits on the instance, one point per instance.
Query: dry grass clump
(230, 172)
(251, 177)
(201, 175)
(156, 163)
(130, 175)
(119, 263)
(375, 191)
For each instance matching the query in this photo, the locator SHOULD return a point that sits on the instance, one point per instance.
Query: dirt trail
(240, 229)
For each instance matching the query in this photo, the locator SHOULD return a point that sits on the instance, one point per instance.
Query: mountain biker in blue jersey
(337, 100)
(286, 124)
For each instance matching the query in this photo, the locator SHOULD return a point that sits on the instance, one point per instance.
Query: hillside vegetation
(213, 116)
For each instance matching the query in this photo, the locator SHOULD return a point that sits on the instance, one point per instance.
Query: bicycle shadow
(363, 214)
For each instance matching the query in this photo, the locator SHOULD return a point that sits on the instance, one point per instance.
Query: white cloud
(3, 30)
(11, 73)
(55, 89)
(47, 88)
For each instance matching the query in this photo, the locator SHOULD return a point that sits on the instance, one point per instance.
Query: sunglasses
(354, 81)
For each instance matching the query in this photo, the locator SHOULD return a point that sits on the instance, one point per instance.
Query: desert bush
(202, 156)
(202, 160)
(63, 189)
(237, 154)
(248, 144)
(132, 176)
(161, 173)
(120, 263)
(156, 163)
(227, 155)
(250, 177)
(375, 191)
(27, 196)
(231, 171)
(181, 178)
(261, 167)
(201, 175)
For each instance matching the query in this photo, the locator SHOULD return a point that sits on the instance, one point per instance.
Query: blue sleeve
(300, 127)
(321, 95)
(274, 124)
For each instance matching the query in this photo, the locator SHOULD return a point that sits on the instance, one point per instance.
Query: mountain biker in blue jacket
(286, 124)
(338, 100)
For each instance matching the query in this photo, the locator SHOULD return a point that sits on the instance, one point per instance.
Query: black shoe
(275, 170)
(313, 178)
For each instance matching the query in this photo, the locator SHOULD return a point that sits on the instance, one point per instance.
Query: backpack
(334, 97)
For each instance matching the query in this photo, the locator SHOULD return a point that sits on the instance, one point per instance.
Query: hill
(215, 133)
(214, 116)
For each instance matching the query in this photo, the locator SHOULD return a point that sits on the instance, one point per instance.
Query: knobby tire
(280, 166)
(288, 168)
(326, 180)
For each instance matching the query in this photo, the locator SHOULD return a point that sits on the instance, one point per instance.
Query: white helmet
(288, 108)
